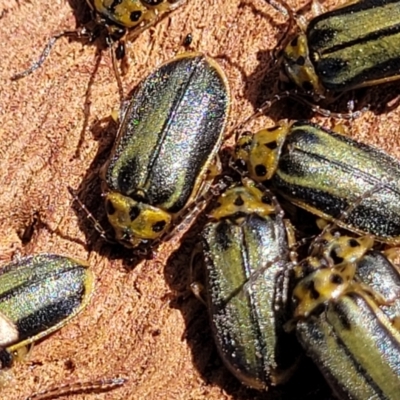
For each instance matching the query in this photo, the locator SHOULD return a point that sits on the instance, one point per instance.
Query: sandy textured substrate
(143, 324)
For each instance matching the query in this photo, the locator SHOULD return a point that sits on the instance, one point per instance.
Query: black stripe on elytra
(317, 38)
(49, 316)
(330, 68)
(381, 222)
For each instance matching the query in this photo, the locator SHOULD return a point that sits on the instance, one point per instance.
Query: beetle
(353, 46)
(116, 20)
(166, 144)
(355, 346)
(38, 295)
(347, 327)
(245, 254)
(325, 172)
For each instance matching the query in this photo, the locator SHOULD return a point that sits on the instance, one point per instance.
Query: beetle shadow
(89, 197)
(262, 84)
(306, 384)
(84, 18)
(89, 194)
(381, 98)
(85, 32)
(82, 13)
(89, 33)
(261, 87)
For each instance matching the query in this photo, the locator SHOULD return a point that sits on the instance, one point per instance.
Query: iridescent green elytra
(166, 143)
(354, 337)
(245, 254)
(383, 277)
(38, 295)
(353, 46)
(325, 172)
(356, 347)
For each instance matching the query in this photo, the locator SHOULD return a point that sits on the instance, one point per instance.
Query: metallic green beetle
(167, 141)
(348, 329)
(245, 254)
(356, 347)
(353, 46)
(325, 172)
(38, 295)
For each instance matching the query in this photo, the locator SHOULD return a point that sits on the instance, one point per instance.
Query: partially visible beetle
(325, 172)
(117, 20)
(38, 295)
(353, 46)
(345, 323)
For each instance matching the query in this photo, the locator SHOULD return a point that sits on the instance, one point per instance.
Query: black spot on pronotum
(134, 213)
(271, 145)
(301, 61)
(158, 226)
(314, 294)
(336, 279)
(238, 201)
(260, 170)
(353, 243)
(273, 128)
(135, 16)
(110, 209)
(336, 259)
